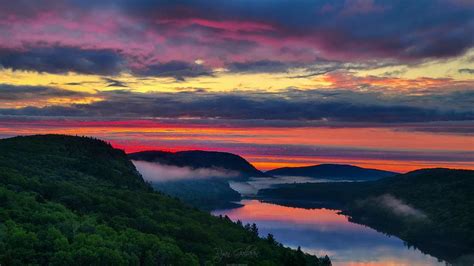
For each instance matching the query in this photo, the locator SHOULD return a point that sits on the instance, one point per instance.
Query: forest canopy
(74, 200)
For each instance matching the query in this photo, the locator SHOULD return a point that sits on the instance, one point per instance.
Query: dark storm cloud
(292, 105)
(63, 60)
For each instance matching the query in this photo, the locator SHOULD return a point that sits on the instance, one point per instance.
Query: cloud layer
(397, 207)
(152, 36)
(291, 105)
(62, 60)
(107, 68)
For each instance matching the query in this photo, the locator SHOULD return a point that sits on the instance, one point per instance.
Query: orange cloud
(348, 80)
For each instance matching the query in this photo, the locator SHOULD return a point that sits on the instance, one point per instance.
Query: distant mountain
(200, 159)
(332, 171)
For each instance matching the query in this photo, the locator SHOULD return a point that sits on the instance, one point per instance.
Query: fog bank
(155, 172)
(400, 208)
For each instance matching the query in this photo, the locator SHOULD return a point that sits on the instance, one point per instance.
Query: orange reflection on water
(254, 210)
(324, 231)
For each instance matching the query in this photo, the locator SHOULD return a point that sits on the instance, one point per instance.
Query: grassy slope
(70, 200)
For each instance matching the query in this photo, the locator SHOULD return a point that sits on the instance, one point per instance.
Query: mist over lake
(251, 187)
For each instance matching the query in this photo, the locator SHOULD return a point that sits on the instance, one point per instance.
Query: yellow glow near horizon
(221, 82)
(226, 81)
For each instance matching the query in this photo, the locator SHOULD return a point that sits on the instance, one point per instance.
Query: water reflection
(323, 231)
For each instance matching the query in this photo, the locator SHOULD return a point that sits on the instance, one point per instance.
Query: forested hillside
(201, 159)
(204, 192)
(207, 194)
(77, 201)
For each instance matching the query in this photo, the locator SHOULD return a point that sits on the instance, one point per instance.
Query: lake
(323, 231)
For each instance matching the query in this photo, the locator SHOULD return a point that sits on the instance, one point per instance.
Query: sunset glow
(275, 83)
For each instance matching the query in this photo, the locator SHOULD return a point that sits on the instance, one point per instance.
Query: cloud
(28, 10)
(354, 153)
(450, 127)
(262, 66)
(115, 83)
(244, 188)
(61, 60)
(251, 187)
(398, 207)
(16, 93)
(466, 70)
(155, 172)
(179, 70)
(226, 32)
(18, 97)
(291, 105)
(318, 66)
(356, 7)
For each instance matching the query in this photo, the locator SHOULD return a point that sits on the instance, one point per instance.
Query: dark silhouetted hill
(332, 171)
(200, 159)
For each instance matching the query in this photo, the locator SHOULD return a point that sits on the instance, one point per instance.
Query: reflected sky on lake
(323, 231)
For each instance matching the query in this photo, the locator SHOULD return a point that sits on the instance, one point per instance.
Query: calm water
(323, 231)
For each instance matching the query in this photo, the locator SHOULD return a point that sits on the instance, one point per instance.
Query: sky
(384, 84)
